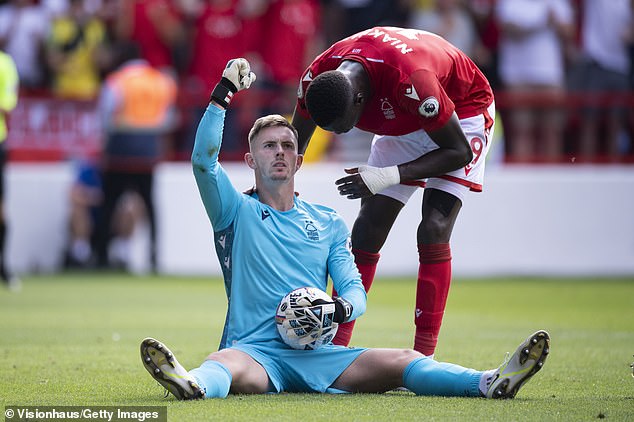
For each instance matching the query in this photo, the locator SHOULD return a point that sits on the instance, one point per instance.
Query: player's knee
(434, 229)
(404, 357)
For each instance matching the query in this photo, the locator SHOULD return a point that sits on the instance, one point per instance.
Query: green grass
(73, 339)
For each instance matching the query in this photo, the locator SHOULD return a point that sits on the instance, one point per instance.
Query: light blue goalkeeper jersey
(265, 253)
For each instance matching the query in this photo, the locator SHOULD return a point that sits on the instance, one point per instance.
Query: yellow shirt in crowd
(8, 90)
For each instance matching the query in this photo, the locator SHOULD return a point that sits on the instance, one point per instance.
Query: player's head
(273, 151)
(271, 120)
(330, 102)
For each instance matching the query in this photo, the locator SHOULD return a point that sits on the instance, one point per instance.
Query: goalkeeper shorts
(302, 371)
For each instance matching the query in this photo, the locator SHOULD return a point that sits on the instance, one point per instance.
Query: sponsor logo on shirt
(387, 109)
(265, 214)
(429, 107)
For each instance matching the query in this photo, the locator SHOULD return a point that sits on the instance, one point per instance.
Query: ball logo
(429, 107)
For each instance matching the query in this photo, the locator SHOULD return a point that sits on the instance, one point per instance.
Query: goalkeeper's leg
(214, 378)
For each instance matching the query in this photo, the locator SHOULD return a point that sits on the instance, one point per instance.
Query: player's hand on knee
(236, 77)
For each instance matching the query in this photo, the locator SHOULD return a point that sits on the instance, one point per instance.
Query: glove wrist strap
(343, 310)
(223, 92)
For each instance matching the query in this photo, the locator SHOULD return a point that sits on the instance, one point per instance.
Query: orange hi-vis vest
(145, 95)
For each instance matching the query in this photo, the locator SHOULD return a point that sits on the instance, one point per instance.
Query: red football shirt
(418, 79)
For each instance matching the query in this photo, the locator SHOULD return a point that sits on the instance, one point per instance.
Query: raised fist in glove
(236, 77)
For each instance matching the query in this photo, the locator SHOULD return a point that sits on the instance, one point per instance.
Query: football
(304, 318)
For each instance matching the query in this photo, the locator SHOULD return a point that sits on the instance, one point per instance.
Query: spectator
(222, 29)
(137, 103)
(486, 51)
(154, 26)
(533, 37)
(346, 17)
(450, 20)
(602, 73)
(86, 201)
(8, 100)
(23, 29)
(76, 54)
(289, 26)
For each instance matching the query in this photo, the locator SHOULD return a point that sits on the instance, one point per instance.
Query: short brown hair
(272, 120)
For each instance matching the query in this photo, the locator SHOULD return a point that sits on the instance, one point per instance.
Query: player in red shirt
(431, 110)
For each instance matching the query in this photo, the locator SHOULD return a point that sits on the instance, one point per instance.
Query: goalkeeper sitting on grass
(270, 242)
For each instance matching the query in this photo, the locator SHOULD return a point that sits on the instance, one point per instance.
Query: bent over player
(431, 110)
(270, 242)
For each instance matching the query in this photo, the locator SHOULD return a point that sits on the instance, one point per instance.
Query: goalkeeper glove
(343, 308)
(236, 77)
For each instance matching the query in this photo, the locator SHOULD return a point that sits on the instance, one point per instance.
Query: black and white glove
(343, 308)
(309, 320)
(236, 77)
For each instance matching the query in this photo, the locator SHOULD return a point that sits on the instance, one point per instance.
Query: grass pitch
(73, 339)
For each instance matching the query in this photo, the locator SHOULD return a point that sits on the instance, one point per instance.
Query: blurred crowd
(561, 69)
(562, 72)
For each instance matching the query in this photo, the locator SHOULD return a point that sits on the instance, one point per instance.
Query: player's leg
(226, 370)
(369, 232)
(380, 370)
(442, 202)
(440, 210)
(247, 375)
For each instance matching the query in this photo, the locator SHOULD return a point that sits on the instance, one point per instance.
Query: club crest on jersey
(430, 107)
(311, 230)
(387, 109)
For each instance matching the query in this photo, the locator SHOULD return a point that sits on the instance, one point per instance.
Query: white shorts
(391, 150)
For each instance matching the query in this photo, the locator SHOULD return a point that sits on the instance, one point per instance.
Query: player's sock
(214, 378)
(366, 263)
(485, 381)
(426, 377)
(434, 277)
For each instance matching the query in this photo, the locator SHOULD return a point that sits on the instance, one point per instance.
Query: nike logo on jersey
(265, 214)
(418, 312)
(411, 93)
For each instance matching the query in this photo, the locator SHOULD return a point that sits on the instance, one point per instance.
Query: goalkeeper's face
(273, 154)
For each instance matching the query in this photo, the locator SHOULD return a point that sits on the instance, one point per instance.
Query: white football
(301, 323)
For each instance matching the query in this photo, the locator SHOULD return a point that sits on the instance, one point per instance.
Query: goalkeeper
(270, 242)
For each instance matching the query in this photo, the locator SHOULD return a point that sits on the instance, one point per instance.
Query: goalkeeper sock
(366, 263)
(214, 378)
(434, 277)
(426, 377)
